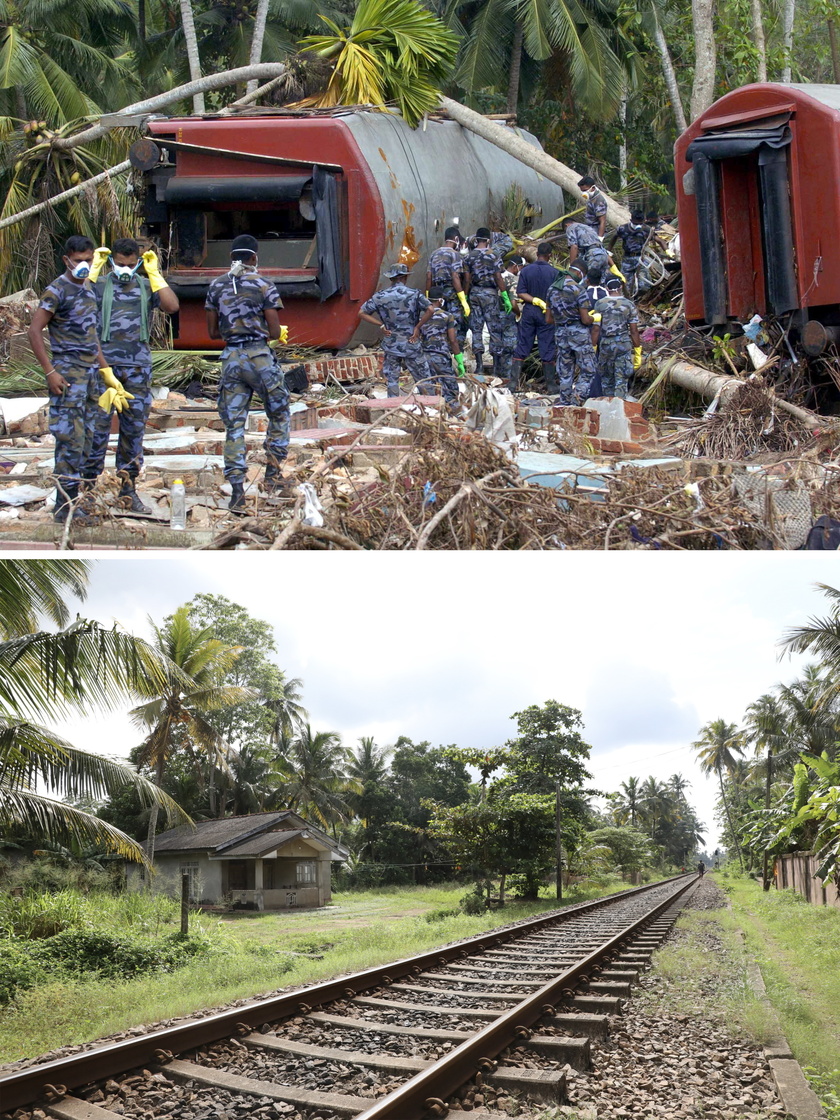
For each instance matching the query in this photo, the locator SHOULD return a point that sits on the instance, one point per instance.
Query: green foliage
(393, 51)
(630, 848)
(825, 1085)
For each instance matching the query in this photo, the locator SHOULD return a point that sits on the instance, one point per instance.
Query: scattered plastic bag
(311, 512)
(491, 415)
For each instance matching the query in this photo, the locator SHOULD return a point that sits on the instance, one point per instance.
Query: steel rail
(26, 1086)
(427, 1090)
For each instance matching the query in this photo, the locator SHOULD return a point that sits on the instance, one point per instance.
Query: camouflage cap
(397, 270)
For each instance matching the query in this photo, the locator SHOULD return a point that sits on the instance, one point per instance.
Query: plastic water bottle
(177, 505)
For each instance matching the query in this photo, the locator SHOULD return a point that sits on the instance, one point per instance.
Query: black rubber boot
(237, 498)
(515, 374)
(62, 508)
(127, 490)
(549, 371)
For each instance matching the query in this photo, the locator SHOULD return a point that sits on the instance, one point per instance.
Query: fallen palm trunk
(709, 385)
(507, 139)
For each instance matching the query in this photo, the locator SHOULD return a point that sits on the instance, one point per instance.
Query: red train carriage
(759, 209)
(332, 198)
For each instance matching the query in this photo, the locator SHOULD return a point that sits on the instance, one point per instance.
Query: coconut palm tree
(717, 748)
(368, 767)
(821, 636)
(311, 772)
(288, 713)
(174, 711)
(628, 802)
(82, 668)
(393, 51)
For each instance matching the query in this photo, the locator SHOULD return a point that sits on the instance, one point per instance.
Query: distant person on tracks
(243, 309)
(701, 869)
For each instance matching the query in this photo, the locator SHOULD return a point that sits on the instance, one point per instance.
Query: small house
(262, 861)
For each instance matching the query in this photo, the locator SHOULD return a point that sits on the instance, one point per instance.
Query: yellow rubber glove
(152, 266)
(595, 316)
(100, 256)
(115, 395)
(637, 357)
(615, 272)
(282, 340)
(465, 307)
(540, 303)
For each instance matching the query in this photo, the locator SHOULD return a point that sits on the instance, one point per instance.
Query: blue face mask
(80, 270)
(124, 272)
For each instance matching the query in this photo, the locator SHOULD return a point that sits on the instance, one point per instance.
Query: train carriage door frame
(769, 141)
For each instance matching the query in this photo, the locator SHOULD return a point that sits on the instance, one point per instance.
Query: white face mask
(79, 271)
(125, 272)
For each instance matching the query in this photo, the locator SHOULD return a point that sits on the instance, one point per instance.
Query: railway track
(451, 1031)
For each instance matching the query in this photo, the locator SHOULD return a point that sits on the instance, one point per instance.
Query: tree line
(223, 731)
(778, 771)
(604, 84)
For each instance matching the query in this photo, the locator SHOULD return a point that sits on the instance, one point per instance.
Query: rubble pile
(499, 472)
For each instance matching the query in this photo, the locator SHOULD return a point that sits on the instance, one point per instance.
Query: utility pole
(559, 819)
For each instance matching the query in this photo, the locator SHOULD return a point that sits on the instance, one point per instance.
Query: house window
(307, 873)
(268, 875)
(191, 871)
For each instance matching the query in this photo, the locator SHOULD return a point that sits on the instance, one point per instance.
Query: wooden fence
(796, 872)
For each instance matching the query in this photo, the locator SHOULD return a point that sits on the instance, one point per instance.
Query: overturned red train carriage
(759, 210)
(332, 198)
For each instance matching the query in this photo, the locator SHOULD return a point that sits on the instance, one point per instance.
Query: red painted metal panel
(814, 171)
(311, 323)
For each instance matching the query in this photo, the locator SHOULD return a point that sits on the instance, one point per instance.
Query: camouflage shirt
(433, 334)
(617, 313)
(566, 298)
(633, 238)
(240, 304)
(595, 207)
(501, 243)
(482, 265)
(125, 346)
(74, 324)
(582, 236)
(399, 308)
(443, 262)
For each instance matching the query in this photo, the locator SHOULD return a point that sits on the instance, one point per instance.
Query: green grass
(797, 946)
(250, 955)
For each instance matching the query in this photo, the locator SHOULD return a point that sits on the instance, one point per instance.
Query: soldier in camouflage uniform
(242, 309)
(486, 288)
(617, 339)
(68, 310)
(585, 247)
(634, 235)
(595, 215)
(439, 339)
(510, 323)
(569, 310)
(399, 311)
(446, 270)
(126, 301)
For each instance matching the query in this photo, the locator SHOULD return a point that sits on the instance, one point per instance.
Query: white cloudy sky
(446, 647)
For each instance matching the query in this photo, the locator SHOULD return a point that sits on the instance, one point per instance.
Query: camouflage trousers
(596, 256)
(247, 370)
(574, 349)
(440, 374)
(72, 421)
(400, 352)
(485, 310)
(453, 306)
(132, 420)
(615, 365)
(510, 334)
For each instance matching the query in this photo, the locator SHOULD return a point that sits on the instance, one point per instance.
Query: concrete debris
(496, 471)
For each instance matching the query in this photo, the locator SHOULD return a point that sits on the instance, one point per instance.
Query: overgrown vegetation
(151, 975)
(798, 949)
